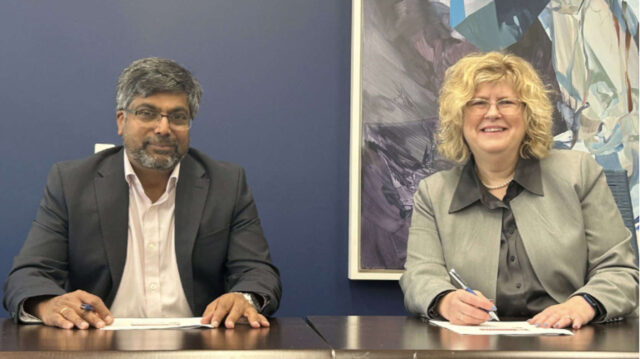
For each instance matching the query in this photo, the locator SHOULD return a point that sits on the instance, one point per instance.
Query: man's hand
(65, 311)
(463, 308)
(233, 306)
(574, 312)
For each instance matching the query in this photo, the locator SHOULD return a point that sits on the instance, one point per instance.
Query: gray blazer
(78, 239)
(573, 235)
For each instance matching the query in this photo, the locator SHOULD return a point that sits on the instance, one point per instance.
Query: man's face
(154, 144)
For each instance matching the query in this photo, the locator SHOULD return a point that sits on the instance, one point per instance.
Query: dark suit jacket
(78, 239)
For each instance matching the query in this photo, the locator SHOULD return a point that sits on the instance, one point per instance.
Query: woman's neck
(494, 171)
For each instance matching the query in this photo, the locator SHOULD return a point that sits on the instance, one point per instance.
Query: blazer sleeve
(612, 277)
(426, 274)
(41, 266)
(248, 266)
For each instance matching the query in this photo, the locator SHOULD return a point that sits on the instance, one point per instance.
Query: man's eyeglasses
(178, 120)
(506, 106)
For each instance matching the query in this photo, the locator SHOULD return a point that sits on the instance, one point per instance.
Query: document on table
(156, 323)
(504, 328)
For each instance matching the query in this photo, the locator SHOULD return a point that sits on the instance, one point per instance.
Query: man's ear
(120, 121)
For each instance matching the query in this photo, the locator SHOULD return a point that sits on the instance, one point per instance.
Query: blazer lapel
(473, 235)
(191, 194)
(544, 227)
(474, 247)
(112, 194)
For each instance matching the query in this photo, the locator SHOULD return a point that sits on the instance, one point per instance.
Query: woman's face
(494, 121)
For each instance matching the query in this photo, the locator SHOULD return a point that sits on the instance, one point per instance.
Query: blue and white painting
(586, 51)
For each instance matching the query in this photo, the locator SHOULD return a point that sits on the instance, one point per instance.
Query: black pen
(461, 283)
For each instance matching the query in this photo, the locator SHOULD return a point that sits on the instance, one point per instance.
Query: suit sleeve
(426, 274)
(249, 267)
(41, 266)
(612, 277)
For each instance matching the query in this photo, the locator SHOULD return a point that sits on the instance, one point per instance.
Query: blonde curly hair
(460, 84)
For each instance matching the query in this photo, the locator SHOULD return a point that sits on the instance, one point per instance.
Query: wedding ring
(63, 310)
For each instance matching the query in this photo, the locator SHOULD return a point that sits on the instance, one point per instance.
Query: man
(150, 229)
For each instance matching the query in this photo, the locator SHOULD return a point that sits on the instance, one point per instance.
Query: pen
(461, 283)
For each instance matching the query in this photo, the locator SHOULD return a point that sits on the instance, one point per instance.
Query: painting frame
(356, 272)
(583, 120)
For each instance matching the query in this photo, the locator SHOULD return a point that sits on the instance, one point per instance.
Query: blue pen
(461, 283)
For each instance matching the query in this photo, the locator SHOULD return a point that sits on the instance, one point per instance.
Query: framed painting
(586, 51)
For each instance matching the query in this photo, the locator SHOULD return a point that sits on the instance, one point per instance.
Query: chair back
(619, 185)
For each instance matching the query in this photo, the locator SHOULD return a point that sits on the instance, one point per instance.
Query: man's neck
(153, 181)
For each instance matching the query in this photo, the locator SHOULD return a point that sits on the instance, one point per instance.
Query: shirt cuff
(25, 317)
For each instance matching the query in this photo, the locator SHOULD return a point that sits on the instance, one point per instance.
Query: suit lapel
(112, 195)
(475, 251)
(474, 248)
(191, 194)
(544, 228)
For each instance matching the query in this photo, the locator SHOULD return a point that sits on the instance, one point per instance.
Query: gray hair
(152, 75)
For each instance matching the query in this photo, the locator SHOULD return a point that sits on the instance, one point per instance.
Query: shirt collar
(528, 175)
(467, 192)
(131, 177)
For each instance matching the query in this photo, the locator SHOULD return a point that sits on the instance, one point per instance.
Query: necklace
(505, 184)
(501, 185)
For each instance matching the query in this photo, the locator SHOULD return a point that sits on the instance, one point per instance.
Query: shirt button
(153, 286)
(512, 258)
(518, 285)
(151, 245)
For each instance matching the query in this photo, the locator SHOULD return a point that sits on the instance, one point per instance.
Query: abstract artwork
(585, 51)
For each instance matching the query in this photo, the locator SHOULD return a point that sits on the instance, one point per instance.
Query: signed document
(503, 328)
(156, 323)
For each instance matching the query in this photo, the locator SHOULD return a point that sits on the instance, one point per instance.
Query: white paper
(156, 323)
(501, 328)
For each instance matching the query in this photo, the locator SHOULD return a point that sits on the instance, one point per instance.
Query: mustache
(159, 141)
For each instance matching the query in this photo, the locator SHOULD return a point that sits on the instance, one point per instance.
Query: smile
(161, 145)
(161, 149)
(493, 129)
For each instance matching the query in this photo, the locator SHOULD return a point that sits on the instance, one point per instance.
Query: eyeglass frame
(469, 104)
(158, 117)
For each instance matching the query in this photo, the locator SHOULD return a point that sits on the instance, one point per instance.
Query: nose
(162, 125)
(493, 111)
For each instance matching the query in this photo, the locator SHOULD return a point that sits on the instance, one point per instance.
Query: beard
(163, 160)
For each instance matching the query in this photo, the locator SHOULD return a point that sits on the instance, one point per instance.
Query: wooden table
(286, 338)
(405, 337)
(336, 337)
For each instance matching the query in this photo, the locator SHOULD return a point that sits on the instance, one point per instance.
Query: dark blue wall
(275, 75)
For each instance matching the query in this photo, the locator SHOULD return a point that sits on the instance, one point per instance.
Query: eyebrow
(153, 108)
(499, 98)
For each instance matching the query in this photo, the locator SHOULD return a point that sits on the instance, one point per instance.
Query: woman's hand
(463, 308)
(575, 312)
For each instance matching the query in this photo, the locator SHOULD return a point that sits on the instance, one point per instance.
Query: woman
(535, 229)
